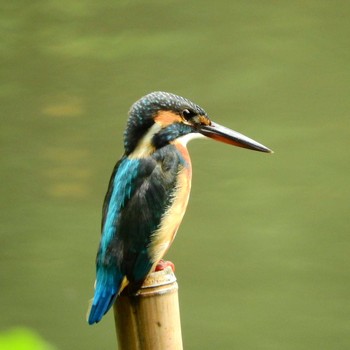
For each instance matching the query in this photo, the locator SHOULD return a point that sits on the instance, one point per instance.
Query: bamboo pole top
(149, 319)
(158, 282)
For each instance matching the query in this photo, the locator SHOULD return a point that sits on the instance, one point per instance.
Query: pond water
(262, 256)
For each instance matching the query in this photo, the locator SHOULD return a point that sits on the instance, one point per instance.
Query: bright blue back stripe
(122, 190)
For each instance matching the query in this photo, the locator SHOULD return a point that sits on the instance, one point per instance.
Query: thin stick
(150, 319)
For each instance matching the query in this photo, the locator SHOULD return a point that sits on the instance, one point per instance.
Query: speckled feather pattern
(142, 112)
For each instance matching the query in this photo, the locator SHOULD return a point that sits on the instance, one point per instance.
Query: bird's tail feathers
(105, 294)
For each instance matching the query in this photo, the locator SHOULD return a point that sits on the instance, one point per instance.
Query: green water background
(262, 256)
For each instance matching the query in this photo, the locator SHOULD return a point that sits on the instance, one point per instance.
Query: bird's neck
(182, 149)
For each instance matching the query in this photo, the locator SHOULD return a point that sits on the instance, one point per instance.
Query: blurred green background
(262, 256)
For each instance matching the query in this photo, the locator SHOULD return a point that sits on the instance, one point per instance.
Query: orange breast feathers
(165, 234)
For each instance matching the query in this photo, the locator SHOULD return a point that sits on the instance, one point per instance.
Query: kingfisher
(149, 190)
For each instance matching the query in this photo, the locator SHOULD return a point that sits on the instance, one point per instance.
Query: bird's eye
(188, 114)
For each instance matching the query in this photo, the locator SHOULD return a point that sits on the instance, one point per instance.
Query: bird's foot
(162, 265)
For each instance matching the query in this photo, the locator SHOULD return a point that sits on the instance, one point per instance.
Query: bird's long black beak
(223, 134)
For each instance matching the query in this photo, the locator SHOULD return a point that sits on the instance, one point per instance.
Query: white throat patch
(186, 138)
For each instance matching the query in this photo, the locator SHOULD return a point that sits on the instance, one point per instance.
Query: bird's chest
(183, 187)
(172, 217)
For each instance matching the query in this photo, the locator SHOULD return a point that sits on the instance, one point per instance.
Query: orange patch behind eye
(165, 118)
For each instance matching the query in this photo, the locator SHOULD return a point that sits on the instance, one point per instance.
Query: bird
(149, 190)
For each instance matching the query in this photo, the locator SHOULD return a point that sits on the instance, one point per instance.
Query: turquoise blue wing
(108, 273)
(140, 191)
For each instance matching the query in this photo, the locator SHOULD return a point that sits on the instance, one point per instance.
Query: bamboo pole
(150, 318)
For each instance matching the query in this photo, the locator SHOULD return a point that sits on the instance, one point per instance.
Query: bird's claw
(162, 265)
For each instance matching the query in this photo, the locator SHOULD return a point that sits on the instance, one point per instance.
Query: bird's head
(161, 117)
